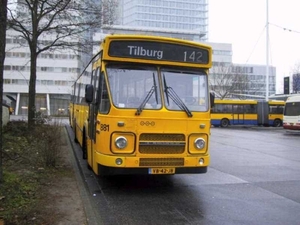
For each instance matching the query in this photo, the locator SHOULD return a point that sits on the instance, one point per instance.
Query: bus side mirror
(89, 93)
(212, 100)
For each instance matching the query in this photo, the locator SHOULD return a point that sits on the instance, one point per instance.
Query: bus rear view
(291, 115)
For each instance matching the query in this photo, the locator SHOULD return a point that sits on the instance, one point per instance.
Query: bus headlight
(121, 142)
(199, 143)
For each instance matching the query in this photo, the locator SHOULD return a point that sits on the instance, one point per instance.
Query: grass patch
(31, 162)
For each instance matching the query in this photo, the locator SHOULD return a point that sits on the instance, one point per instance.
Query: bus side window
(104, 97)
(280, 109)
(250, 109)
(227, 108)
(276, 109)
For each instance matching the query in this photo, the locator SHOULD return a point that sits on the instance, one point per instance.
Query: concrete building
(56, 72)
(188, 15)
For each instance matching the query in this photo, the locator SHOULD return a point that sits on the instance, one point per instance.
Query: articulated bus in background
(144, 108)
(247, 112)
(291, 115)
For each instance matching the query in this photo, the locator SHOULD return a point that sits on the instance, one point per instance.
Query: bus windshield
(139, 87)
(134, 86)
(185, 90)
(292, 109)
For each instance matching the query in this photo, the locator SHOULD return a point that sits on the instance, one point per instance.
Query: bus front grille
(162, 137)
(162, 149)
(162, 143)
(161, 162)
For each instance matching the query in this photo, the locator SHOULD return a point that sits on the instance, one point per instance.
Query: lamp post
(267, 51)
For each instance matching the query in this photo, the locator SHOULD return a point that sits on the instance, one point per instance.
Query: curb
(82, 178)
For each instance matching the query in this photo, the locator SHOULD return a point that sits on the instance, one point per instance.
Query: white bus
(291, 114)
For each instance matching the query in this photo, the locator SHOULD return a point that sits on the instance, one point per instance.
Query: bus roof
(293, 98)
(247, 101)
(152, 37)
(237, 101)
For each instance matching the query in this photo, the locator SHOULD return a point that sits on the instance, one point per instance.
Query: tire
(74, 129)
(277, 123)
(89, 167)
(85, 151)
(224, 123)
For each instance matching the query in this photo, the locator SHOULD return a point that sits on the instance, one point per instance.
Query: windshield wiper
(146, 99)
(166, 90)
(176, 99)
(148, 96)
(155, 89)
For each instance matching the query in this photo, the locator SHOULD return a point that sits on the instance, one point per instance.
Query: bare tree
(296, 83)
(225, 81)
(296, 79)
(3, 18)
(46, 25)
(110, 13)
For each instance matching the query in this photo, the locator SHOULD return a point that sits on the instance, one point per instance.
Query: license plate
(161, 170)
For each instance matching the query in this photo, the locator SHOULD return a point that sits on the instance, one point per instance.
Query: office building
(56, 72)
(187, 15)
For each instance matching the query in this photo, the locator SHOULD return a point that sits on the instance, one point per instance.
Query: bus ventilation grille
(161, 162)
(162, 137)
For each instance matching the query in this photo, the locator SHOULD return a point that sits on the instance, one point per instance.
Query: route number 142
(193, 56)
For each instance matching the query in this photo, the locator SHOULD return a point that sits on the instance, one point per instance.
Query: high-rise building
(185, 15)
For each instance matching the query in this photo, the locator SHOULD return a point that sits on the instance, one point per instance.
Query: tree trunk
(33, 62)
(32, 91)
(3, 19)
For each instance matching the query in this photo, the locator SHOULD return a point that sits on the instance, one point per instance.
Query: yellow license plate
(161, 170)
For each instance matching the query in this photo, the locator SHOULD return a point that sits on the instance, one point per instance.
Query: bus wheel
(277, 123)
(224, 123)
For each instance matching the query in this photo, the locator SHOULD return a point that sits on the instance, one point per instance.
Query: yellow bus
(247, 112)
(143, 106)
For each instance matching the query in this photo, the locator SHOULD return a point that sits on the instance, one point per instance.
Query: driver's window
(104, 106)
(131, 86)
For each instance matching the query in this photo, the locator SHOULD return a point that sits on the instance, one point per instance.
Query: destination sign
(158, 51)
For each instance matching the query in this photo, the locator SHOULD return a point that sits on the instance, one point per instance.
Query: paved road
(254, 178)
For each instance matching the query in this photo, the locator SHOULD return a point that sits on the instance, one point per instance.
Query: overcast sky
(243, 24)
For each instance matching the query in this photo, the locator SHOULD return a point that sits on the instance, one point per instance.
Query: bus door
(237, 114)
(92, 118)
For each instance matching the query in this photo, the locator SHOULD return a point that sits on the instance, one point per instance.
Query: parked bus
(291, 115)
(143, 106)
(247, 112)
